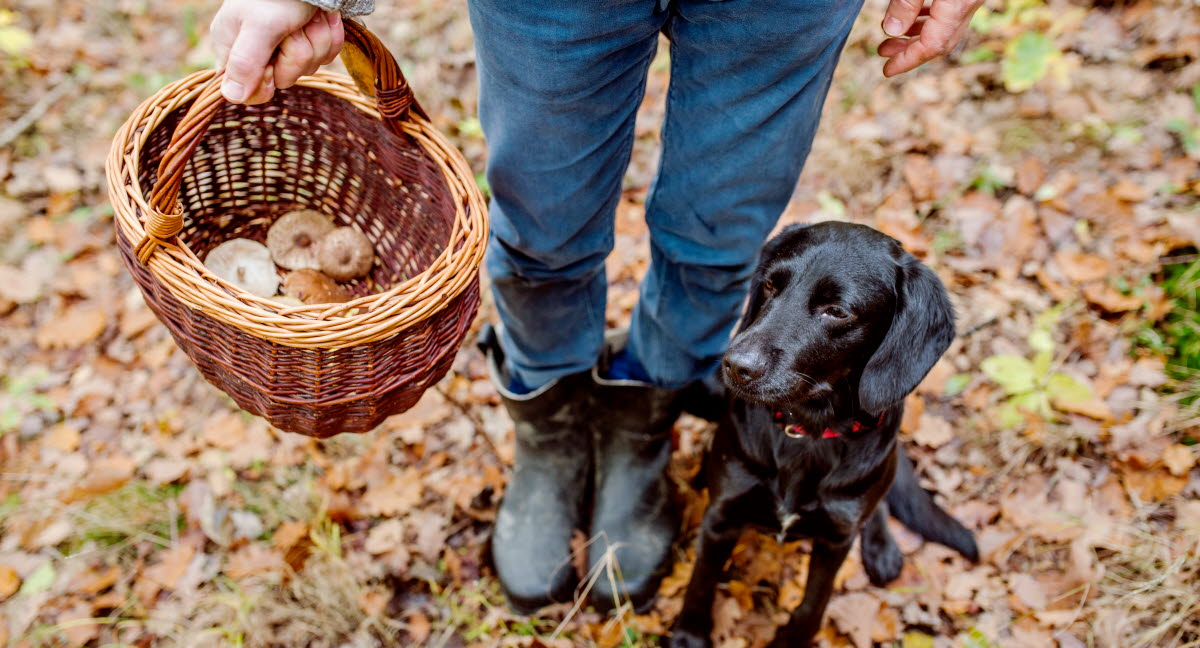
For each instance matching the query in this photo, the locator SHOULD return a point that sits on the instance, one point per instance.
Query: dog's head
(833, 303)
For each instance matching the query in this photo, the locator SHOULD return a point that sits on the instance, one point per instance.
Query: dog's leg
(880, 556)
(693, 628)
(823, 566)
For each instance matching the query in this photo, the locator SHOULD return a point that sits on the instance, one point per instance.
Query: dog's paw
(883, 562)
(684, 639)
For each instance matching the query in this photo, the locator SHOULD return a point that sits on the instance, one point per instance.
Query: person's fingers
(916, 53)
(339, 36)
(892, 47)
(246, 66)
(222, 32)
(265, 89)
(320, 35)
(295, 59)
(900, 16)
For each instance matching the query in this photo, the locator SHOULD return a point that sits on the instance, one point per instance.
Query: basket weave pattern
(188, 171)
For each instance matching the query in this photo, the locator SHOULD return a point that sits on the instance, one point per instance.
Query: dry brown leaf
(1080, 267)
(1130, 191)
(933, 431)
(254, 559)
(1030, 175)
(418, 627)
(920, 176)
(1153, 485)
(1109, 298)
(63, 437)
(227, 430)
(373, 602)
(105, 476)
(395, 496)
(73, 328)
(75, 626)
(1178, 459)
(98, 580)
(10, 582)
(170, 566)
(289, 534)
(1027, 593)
(1093, 409)
(385, 537)
(856, 615)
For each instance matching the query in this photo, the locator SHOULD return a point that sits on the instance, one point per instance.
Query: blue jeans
(560, 83)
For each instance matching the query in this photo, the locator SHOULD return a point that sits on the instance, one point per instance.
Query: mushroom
(293, 238)
(345, 253)
(246, 264)
(312, 287)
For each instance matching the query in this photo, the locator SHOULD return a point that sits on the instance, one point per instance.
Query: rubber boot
(546, 497)
(634, 516)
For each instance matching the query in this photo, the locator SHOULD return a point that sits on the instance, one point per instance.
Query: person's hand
(267, 44)
(920, 34)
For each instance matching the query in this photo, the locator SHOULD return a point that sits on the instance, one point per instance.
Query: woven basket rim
(328, 326)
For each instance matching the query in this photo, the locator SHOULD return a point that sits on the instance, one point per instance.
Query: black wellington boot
(547, 494)
(634, 509)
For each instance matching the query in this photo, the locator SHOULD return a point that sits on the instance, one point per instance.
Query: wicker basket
(188, 171)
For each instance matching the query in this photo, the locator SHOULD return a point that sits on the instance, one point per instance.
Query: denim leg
(560, 82)
(748, 79)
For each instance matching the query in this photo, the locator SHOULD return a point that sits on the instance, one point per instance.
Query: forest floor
(1049, 173)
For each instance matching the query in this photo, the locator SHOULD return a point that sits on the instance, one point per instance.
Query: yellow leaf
(13, 40)
(1178, 459)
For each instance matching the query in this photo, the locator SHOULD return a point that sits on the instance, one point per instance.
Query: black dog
(840, 326)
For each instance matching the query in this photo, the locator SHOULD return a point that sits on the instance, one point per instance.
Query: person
(560, 83)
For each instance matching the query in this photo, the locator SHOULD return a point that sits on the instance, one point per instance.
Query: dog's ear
(922, 329)
(768, 252)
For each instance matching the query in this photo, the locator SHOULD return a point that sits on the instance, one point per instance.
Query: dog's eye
(836, 312)
(768, 288)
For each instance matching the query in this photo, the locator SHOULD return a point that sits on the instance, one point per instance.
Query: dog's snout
(745, 365)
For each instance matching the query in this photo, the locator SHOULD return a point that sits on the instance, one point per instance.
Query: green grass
(1177, 336)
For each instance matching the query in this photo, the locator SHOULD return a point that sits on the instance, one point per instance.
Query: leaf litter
(1043, 174)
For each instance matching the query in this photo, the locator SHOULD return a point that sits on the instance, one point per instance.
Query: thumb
(900, 16)
(248, 58)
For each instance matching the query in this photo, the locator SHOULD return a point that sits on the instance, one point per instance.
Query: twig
(36, 111)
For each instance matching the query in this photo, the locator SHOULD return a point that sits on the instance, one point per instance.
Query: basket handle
(393, 98)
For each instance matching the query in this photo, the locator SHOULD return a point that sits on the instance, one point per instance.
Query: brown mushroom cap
(312, 287)
(293, 238)
(246, 264)
(346, 253)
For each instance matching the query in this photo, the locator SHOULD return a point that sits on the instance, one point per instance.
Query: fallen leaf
(170, 566)
(418, 627)
(1081, 268)
(385, 537)
(77, 626)
(254, 559)
(1028, 594)
(1178, 459)
(395, 496)
(933, 431)
(40, 580)
(855, 615)
(105, 476)
(63, 437)
(10, 582)
(1030, 176)
(73, 328)
(1109, 298)
(920, 176)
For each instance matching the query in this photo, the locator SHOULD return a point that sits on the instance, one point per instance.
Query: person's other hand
(920, 34)
(267, 44)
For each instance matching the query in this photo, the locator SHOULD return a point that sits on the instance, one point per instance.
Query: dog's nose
(745, 365)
